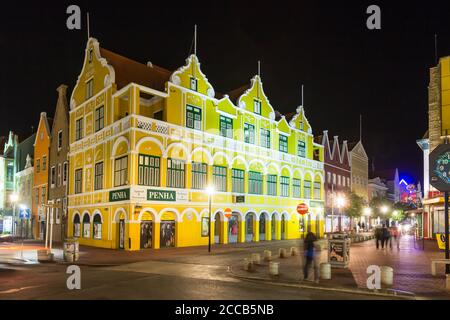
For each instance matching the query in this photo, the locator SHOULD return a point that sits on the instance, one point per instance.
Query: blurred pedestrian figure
(396, 235)
(308, 248)
(385, 237)
(363, 225)
(379, 237)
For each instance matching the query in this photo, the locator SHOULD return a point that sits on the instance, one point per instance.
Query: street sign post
(440, 179)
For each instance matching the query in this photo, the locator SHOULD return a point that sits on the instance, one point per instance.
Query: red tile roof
(127, 71)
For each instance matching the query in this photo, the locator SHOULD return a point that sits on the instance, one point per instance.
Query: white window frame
(60, 144)
(52, 176)
(65, 172)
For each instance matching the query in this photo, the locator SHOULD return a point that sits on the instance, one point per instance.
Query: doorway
(283, 227)
(146, 234)
(217, 234)
(121, 234)
(262, 226)
(273, 225)
(233, 228)
(249, 230)
(167, 234)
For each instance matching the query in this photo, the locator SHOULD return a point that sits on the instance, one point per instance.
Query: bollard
(325, 271)
(267, 255)
(273, 268)
(247, 265)
(387, 275)
(294, 251)
(256, 258)
(282, 253)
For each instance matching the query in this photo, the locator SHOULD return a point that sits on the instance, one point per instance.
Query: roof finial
(259, 68)
(302, 95)
(195, 40)
(88, 26)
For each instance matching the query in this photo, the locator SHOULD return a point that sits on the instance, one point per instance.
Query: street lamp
(340, 202)
(210, 192)
(14, 197)
(384, 209)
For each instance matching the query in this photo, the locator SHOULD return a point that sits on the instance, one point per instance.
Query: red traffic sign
(302, 208)
(227, 212)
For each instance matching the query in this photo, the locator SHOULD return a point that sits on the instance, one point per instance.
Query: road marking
(18, 289)
(186, 270)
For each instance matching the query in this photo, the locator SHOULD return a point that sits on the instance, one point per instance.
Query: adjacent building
(337, 181)
(432, 217)
(391, 179)
(376, 188)
(359, 163)
(59, 166)
(40, 175)
(24, 187)
(146, 142)
(7, 170)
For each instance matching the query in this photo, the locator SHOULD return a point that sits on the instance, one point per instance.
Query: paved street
(193, 273)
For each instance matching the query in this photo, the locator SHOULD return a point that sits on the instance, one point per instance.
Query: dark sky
(347, 69)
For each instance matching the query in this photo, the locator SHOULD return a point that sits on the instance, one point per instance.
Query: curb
(87, 264)
(395, 293)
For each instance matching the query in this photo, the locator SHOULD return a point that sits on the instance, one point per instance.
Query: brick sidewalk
(411, 264)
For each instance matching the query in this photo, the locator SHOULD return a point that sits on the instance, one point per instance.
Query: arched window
(97, 226)
(86, 226)
(76, 225)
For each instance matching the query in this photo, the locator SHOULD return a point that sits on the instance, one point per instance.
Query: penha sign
(119, 195)
(161, 195)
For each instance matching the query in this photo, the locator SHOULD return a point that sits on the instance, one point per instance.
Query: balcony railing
(181, 133)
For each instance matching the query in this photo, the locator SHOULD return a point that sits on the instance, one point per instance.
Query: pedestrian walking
(308, 247)
(385, 237)
(379, 237)
(396, 235)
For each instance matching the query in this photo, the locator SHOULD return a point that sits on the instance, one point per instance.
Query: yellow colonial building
(145, 143)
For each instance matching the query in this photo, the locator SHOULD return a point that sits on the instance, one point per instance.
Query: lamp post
(340, 203)
(210, 191)
(14, 197)
(23, 208)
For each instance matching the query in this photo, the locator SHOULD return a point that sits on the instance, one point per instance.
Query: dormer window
(257, 106)
(193, 84)
(90, 55)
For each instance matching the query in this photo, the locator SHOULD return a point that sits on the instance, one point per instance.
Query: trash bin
(71, 250)
(339, 250)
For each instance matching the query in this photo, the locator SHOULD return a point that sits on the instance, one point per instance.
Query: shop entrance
(233, 228)
(273, 224)
(249, 230)
(121, 234)
(262, 226)
(283, 226)
(146, 234)
(217, 224)
(167, 234)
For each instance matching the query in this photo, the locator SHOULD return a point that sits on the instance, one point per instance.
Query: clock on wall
(440, 168)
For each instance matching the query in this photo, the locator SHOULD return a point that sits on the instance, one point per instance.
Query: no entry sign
(302, 208)
(227, 213)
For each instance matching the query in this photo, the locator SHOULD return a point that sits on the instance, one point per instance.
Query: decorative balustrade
(177, 132)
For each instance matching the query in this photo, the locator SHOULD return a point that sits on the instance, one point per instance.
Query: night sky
(347, 70)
